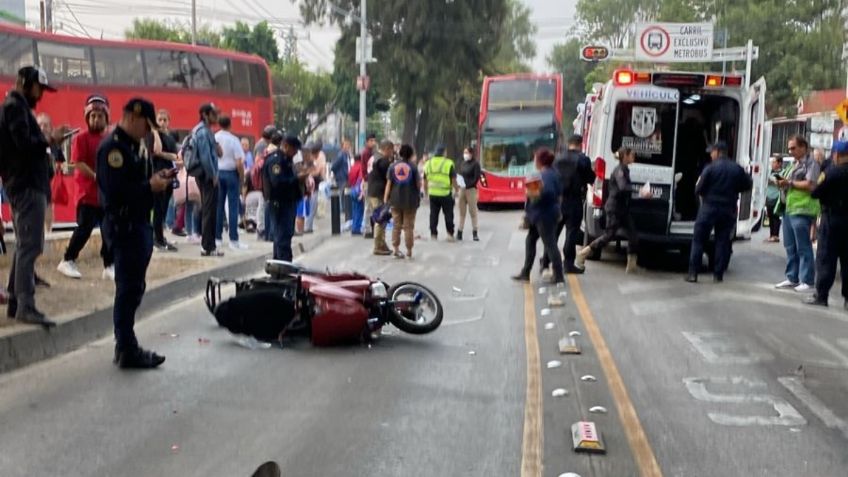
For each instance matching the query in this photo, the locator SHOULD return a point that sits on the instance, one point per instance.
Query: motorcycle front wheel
(415, 308)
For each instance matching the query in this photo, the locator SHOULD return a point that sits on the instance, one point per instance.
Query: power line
(68, 7)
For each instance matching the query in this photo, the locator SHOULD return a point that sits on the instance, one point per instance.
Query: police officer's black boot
(475, 236)
(692, 277)
(459, 235)
(137, 358)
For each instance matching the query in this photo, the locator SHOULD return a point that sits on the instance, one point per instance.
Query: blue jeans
(313, 209)
(800, 264)
(229, 191)
(357, 210)
(283, 215)
(192, 218)
(171, 216)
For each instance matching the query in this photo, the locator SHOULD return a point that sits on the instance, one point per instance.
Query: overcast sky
(109, 18)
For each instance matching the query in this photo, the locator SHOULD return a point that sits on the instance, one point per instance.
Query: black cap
(34, 74)
(276, 137)
(440, 149)
(293, 142)
(208, 108)
(718, 146)
(269, 131)
(144, 108)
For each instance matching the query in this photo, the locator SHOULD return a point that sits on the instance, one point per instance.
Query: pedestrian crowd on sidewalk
(136, 181)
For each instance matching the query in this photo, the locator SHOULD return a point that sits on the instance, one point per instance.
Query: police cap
(293, 142)
(276, 137)
(144, 108)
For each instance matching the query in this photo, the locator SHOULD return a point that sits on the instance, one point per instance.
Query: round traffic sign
(655, 41)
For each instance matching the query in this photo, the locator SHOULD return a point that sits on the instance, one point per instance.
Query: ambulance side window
(648, 129)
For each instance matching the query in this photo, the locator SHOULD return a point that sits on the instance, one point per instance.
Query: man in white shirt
(230, 180)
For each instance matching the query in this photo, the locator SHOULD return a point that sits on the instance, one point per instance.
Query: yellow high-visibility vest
(438, 171)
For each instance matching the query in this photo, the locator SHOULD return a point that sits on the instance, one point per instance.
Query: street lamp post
(363, 34)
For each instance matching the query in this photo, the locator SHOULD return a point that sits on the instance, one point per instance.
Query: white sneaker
(547, 274)
(109, 273)
(69, 269)
(219, 243)
(193, 239)
(785, 284)
(238, 246)
(804, 288)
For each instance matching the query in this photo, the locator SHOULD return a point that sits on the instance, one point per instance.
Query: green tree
(260, 41)
(150, 29)
(425, 49)
(302, 95)
(565, 59)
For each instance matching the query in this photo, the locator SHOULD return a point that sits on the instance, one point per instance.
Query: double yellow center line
(531, 463)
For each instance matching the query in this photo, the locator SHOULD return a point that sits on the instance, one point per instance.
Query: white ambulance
(669, 119)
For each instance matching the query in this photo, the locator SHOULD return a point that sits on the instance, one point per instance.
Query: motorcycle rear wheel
(413, 321)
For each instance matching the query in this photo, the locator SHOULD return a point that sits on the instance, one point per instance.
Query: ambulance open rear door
(753, 158)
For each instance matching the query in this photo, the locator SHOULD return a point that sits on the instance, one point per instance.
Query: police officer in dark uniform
(127, 185)
(575, 171)
(282, 188)
(719, 186)
(832, 193)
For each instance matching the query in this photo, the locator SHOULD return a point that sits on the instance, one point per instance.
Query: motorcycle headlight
(378, 290)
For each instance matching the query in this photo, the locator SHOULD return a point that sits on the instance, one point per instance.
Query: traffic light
(594, 53)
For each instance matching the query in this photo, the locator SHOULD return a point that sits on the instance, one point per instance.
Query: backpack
(193, 165)
(256, 171)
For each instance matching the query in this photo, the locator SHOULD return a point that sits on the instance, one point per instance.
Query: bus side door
(754, 158)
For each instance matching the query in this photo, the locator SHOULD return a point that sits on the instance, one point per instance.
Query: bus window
(522, 94)
(210, 72)
(512, 154)
(15, 53)
(65, 63)
(241, 77)
(646, 128)
(118, 66)
(167, 69)
(259, 81)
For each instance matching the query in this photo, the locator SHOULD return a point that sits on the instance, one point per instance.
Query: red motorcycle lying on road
(330, 308)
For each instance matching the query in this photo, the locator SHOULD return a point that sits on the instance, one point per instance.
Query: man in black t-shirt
(377, 179)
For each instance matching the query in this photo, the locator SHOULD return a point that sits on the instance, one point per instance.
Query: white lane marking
(791, 352)
(463, 321)
(643, 286)
(833, 350)
(786, 414)
(831, 420)
(668, 305)
(724, 348)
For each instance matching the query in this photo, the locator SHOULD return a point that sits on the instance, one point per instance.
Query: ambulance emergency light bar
(627, 77)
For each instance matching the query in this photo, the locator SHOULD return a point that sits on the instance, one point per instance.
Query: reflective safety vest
(438, 171)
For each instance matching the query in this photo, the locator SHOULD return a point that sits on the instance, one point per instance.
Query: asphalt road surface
(689, 380)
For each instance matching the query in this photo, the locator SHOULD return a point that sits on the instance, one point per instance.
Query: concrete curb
(34, 344)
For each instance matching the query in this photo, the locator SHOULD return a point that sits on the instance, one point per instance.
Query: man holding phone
(89, 211)
(25, 179)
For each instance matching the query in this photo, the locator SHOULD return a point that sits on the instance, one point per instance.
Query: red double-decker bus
(175, 77)
(518, 115)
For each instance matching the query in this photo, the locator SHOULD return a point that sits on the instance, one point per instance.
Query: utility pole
(363, 34)
(41, 15)
(48, 16)
(193, 22)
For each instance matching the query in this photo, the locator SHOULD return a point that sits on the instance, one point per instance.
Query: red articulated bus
(518, 115)
(175, 77)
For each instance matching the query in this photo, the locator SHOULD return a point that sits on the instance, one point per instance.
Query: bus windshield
(522, 94)
(512, 154)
